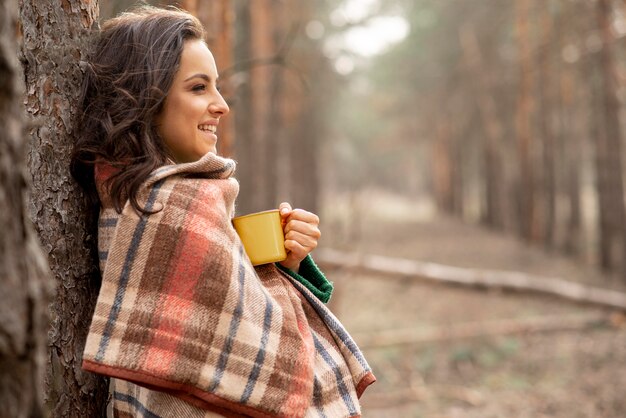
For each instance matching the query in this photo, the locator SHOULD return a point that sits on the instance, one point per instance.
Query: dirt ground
(567, 373)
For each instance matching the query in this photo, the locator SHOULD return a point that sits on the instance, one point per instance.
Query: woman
(184, 324)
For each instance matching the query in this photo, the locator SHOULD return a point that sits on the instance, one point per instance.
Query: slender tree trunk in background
(545, 115)
(277, 137)
(55, 36)
(459, 158)
(304, 147)
(527, 199)
(276, 130)
(597, 135)
(303, 104)
(243, 108)
(442, 164)
(569, 141)
(262, 46)
(571, 144)
(25, 286)
(253, 41)
(609, 153)
(217, 17)
(493, 175)
(446, 166)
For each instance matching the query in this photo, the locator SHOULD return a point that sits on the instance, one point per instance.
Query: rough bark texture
(24, 276)
(55, 34)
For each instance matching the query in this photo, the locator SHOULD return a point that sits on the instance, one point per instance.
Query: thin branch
(280, 59)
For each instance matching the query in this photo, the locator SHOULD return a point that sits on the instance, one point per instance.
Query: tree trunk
(243, 109)
(252, 108)
(263, 24)
(548, 185)
(527, 205)
(442, 162)
(609, 154)
(304, 100)
(217, 17)
(55, 36)
(571, 144)
(25, 286)
(492, 154)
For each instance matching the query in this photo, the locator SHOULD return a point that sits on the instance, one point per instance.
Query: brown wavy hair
(127, 76)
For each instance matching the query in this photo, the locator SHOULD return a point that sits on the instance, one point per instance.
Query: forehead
(196, 58)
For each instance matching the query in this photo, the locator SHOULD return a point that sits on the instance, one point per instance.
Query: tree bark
(443, 177)
(527, 204)
(570, 140)
(571, 144)
(609, 154)
(217, 17)
(55, 37)
(25, 286)
(304, 98)
(243, 109)
(546, 97)
(263, 45)
(255, 126)
(495, 202)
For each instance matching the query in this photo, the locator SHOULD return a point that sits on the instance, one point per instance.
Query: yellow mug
(262, 236)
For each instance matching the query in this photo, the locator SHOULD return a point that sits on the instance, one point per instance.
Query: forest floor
(559, 374)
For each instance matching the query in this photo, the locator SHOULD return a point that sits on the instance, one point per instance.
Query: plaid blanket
(181, 309)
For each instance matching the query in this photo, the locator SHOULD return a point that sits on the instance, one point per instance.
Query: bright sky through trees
(369, 35)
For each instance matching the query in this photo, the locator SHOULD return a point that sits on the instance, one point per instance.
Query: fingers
(303, 227)
(295, 254)
(302, 233)
(305, 240)
(301, 215)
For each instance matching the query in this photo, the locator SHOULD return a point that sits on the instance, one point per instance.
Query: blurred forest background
(506, 114)
(482, 135)
(402, 123)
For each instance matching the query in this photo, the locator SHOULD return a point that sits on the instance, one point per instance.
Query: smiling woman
(193, 107)
(184, 325)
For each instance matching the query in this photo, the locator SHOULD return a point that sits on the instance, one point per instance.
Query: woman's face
(193, 106)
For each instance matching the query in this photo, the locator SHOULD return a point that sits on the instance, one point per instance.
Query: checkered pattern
(181, 310)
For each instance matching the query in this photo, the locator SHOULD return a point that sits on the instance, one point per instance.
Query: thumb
(285, 208)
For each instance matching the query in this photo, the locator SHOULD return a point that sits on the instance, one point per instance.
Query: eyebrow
(199, 75)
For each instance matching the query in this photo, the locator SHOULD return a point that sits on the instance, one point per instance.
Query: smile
(208, 128)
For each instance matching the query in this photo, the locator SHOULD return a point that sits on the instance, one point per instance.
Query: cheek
(181, 115)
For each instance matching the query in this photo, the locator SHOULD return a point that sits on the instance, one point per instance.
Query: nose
(218, 106)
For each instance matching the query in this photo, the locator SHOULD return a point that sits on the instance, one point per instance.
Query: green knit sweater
(312, 278)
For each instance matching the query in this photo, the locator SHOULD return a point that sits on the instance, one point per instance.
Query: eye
(199, 87)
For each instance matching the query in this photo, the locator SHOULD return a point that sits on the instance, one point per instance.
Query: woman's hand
(302, 232)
